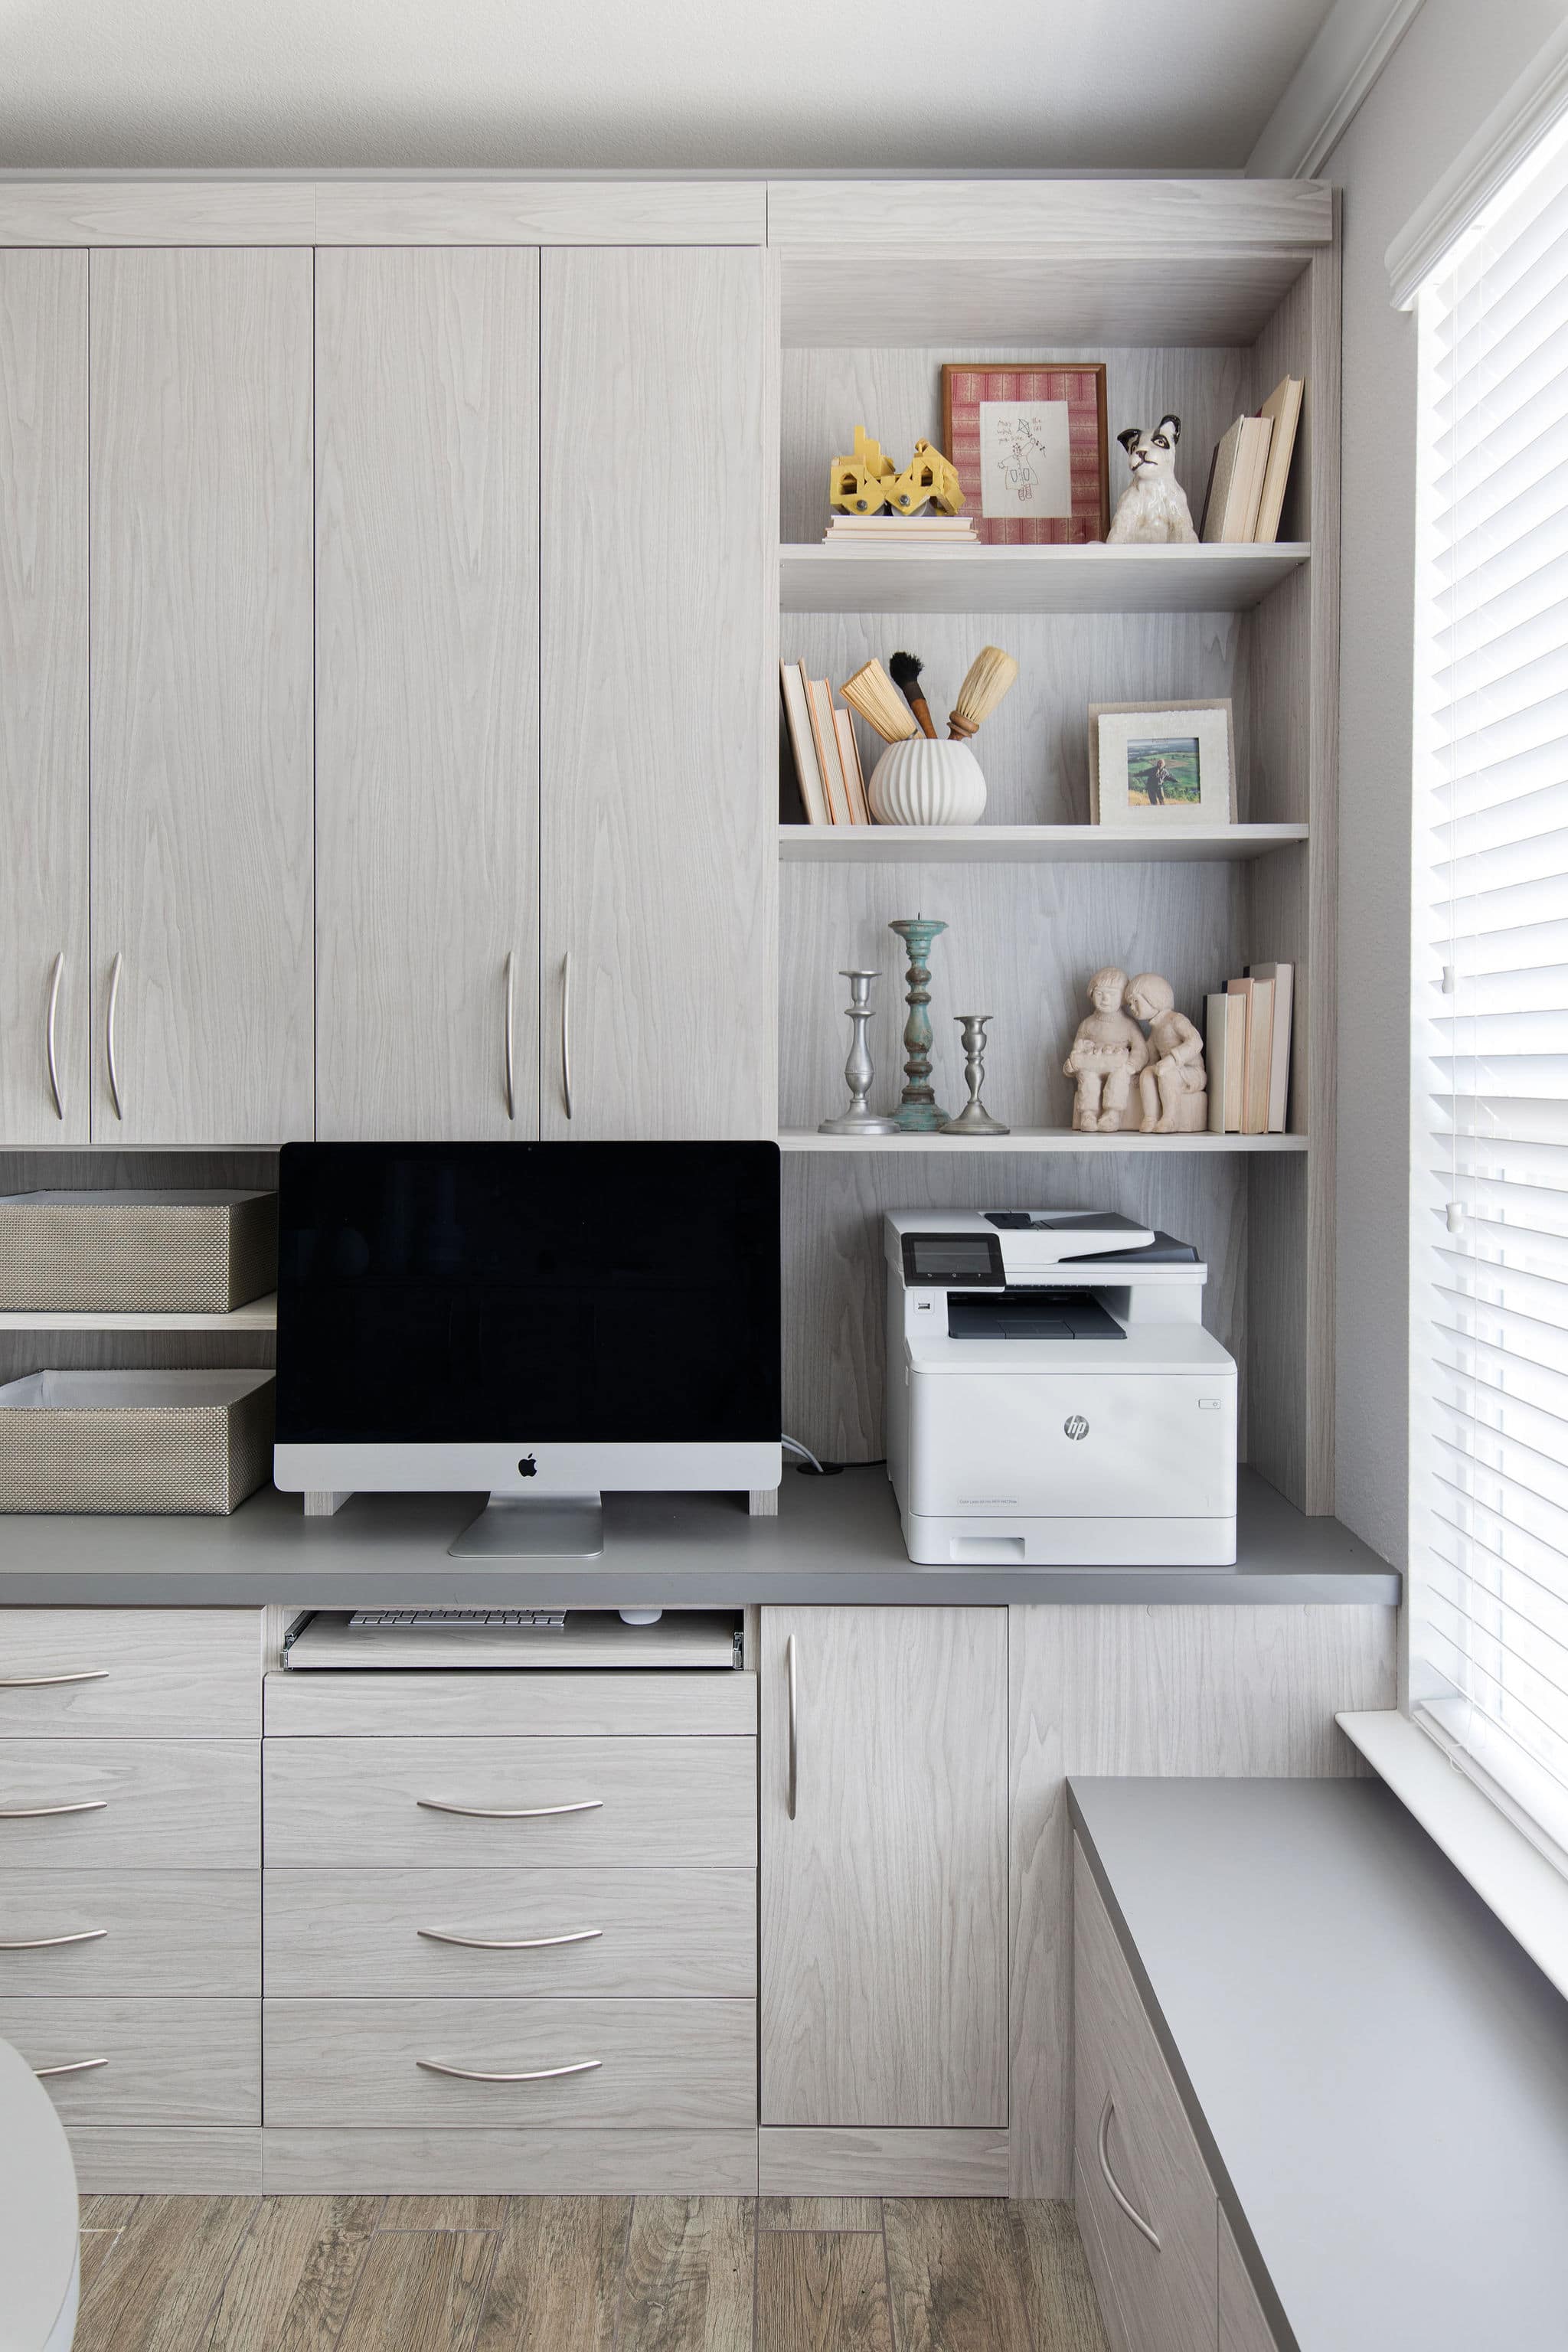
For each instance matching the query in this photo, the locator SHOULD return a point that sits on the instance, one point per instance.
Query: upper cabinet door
(201, 665)
(884, 1866)
(43, 696)
(659, 729)
(427, 666)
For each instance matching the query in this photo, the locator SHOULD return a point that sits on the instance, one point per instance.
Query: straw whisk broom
(991, 673)
(872, 693)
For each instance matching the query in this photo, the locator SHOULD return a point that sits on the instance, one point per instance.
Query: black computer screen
(433, 1293)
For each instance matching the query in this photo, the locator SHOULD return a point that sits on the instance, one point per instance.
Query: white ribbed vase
(921, 783)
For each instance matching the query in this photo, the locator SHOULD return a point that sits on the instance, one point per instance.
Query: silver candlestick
(859, 1118)
(974, 1119)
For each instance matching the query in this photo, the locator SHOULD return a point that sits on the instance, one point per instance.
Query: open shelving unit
(1199, 303)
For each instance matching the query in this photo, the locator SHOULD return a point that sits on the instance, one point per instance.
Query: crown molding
(1534, 103)
(1354, 43)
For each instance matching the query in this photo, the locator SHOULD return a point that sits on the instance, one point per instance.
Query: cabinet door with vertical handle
(884, 1866)
(201, 668)
(658, 713)
(426, 624)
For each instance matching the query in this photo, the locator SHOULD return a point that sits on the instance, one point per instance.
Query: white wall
(1452, 67)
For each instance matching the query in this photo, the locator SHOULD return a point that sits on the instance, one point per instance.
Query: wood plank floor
(582, 2275)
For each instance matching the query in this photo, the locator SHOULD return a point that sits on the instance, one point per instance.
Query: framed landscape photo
(1028, 440)
(1155, 767)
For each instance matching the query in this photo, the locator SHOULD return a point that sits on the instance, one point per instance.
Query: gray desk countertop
(1380, 2073)
(835, 1539)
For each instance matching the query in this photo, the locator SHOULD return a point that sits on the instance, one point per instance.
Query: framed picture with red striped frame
(1029, 439)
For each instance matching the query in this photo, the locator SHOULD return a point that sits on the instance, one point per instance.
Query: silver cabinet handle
(55, 979)
(509, 1812)
(1112, 2182)
(45, 1682)
(566, 1031)
(479, 2075)
(42, 1812)
(511, 1041)
(501, 1943)
(109, 1035)
(793, 1725)
(74, 2066)
(47, 1943)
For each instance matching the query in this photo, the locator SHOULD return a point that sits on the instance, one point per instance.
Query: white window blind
(1490, 1258)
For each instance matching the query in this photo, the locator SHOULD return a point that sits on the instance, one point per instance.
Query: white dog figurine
(1154, 507)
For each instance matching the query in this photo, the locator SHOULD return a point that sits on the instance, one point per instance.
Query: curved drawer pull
(47, 1943)
(502, 1943)
(510, 1813)
(74, 2066)
(1125, 2202)
(478, 2075)
(43, 1812)
(109, 1038)
(46, 1682)
(51, 1053)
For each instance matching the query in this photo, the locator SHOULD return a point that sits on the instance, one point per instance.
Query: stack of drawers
(511, 1931)
(130, 1886)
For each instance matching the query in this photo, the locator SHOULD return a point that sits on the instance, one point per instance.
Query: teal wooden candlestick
(919, 1112)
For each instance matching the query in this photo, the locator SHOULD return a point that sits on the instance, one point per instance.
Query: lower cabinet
(1164, 2262)
(884, 1878)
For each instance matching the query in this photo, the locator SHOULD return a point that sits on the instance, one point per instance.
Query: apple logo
(527, 1467)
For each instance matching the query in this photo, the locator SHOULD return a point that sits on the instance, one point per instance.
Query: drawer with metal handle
(130, 1674)
(451, 1803)
(506, 2064)
(1137, 2164)
(141, 2062)
(175, 1934)
(662, 1934)
(129, 1804)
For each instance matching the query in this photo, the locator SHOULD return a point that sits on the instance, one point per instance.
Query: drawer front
(1243, 2323)
(164, 2061)
(334, 1804)
(524, 1706)
(657, 1934)
(660, 2064)
(147, 1804)
(1168, 2294)
(169, 1933)
(1118, 2336)
(130, 1674)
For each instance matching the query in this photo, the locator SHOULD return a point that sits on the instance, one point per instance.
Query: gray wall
(1455, 63)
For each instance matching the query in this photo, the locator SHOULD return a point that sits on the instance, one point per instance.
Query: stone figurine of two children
(1110, 1050)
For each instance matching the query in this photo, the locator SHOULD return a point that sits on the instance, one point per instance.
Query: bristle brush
(906, 672)
(872, 693)
(991, 673)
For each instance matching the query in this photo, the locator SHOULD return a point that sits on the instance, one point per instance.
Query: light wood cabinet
(884, 1866)
(427, 684)
(43, 696)
(1243, 2323)
(201, 696)
(659, 722)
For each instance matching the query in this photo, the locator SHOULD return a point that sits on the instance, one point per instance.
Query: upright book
(824, 734)
(1225, 1054)
(1237, 489)
(1283, 410)
(802, 744)
(1256, 999)
(1283, 976)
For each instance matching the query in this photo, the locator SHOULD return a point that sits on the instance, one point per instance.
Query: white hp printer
(1052, 1394)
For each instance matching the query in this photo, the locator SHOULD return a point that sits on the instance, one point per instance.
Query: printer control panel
(970, 1261)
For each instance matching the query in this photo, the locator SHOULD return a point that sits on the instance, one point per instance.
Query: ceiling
(601, 84)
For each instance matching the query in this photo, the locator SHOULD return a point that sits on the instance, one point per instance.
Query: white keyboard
(424, 1621)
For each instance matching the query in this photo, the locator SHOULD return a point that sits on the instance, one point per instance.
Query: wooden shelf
(1034, 1139)
(1025, 844)
(926, 579)
(257, 1315)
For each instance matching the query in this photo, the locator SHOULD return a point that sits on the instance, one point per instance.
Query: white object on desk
(39, 2246)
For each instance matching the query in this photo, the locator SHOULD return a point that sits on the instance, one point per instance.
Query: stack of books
(1246, 1049)
(1250, 468)
(929, 529)
(826, 757)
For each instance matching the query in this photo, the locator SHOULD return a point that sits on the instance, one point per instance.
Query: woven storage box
(136, 1253)
(134, 1440)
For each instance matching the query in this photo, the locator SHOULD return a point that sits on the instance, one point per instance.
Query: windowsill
(1516, 1883)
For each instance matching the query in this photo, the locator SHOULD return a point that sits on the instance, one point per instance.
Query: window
(1489, 1622)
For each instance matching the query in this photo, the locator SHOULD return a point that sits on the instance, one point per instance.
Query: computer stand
(525, 1527)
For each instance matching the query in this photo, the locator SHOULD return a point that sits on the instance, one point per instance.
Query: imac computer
(543, 1320)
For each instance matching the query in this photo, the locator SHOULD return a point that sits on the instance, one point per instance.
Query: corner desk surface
(835, 1539)
(1377, 2070)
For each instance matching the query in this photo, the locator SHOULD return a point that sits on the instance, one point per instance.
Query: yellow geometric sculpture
(856, 483)
(928, 475)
